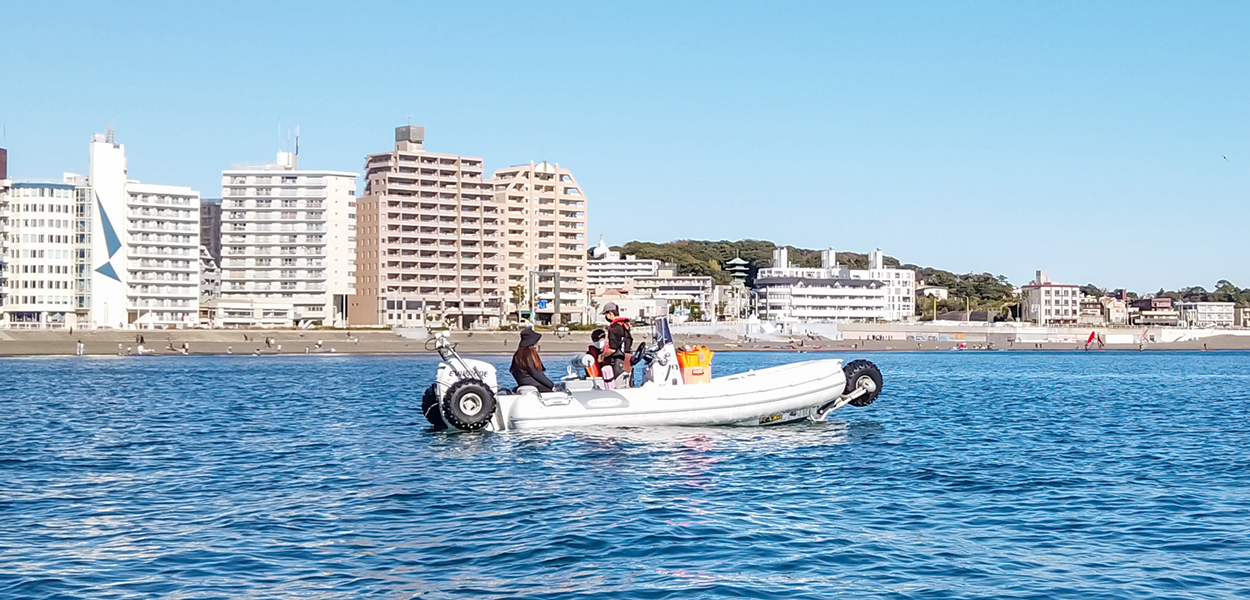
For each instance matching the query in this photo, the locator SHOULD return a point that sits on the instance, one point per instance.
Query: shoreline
(385, 343)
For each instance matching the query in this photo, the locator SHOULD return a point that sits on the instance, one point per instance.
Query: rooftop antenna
(110, 136)
(297, 140)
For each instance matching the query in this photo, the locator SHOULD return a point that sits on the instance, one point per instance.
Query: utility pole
(533, 285)
(555, 315)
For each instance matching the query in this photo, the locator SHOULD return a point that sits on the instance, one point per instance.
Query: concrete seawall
(859, 338)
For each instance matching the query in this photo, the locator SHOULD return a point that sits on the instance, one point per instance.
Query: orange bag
(696, 364)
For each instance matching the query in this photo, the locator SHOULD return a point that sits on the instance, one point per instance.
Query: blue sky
(1088, 139)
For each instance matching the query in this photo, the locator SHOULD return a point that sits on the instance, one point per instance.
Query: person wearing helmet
(616, 354)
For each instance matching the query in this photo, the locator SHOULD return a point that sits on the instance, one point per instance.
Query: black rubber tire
(455, 415)
(856, 370)
(429, 407)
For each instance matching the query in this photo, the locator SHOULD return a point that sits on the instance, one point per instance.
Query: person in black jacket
(618, 353)
(527, 367)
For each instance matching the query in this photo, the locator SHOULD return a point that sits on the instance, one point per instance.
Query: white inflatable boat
(466, 394)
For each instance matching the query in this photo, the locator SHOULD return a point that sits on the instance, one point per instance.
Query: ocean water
(976, 475)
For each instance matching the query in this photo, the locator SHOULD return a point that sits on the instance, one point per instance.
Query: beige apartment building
(546, 241)
(430, 240)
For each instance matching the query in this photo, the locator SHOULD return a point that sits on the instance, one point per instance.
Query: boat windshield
(662, 332)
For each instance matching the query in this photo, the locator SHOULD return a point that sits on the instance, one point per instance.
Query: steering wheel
(642, 353)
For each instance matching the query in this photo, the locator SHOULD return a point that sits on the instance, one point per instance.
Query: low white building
(933, 291)
(608, 268)
(1208, 314)
(246, 313)
(1115, 311)
(1047, 303)
(678, 289)
(834, 293)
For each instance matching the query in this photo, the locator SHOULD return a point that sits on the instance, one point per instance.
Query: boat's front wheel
(862, 374)
(468, 405)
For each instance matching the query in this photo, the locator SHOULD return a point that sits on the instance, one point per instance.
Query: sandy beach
(287, 342)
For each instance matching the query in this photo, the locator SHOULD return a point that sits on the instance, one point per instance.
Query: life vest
(627, 340)
(593, 369)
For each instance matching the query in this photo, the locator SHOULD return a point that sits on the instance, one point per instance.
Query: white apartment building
(430, 244)
(142, 246)
(834, 293)
(545, 227)
(666, 284)
(289, 236)
(1208, 314)
(38, 248)
(1047, 303)
(4, 232)
(607, 268)
(900, 284)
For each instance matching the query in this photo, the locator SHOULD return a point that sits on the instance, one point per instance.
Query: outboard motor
(463, 394)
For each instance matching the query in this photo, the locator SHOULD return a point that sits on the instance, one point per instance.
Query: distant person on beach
(78, 351)
(527, 367)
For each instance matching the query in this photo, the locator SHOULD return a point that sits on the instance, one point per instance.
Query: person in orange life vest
(595, 352)
(617, 353)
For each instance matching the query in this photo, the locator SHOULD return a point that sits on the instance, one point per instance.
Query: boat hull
(762, 397)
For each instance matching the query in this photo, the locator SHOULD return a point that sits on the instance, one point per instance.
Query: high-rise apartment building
(431, 240)
(141, 242)
(4, 230)
(289, 236)
(40, 249)
(545, 230)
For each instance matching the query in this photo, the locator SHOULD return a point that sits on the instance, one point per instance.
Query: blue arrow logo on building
(111, 240)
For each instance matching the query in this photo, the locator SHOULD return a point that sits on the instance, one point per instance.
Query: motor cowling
(462, 397)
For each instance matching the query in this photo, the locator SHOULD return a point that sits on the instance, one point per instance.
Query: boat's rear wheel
(431, 410)
(468, 405)
(861, 373)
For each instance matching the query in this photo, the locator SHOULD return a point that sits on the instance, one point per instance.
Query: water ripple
(1039, 475)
